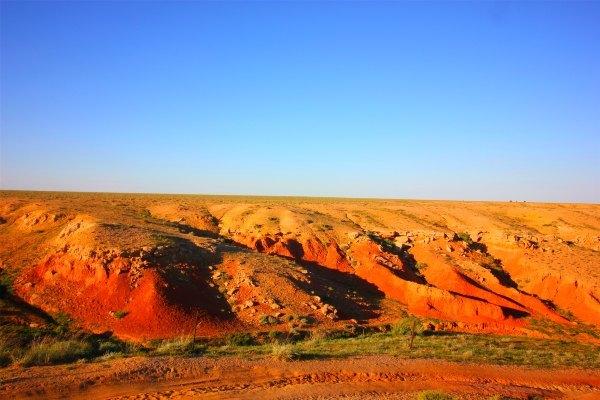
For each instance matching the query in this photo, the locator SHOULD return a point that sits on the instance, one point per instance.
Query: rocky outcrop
(150, 293)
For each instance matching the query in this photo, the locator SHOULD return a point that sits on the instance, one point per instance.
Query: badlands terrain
(272, 295)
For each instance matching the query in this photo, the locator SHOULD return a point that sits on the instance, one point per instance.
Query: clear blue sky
(409, 100)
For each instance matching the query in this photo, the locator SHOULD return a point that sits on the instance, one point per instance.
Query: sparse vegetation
(434, 395)
(62, 323)
(48, 352)
(453, 347)
(120, 314)
(6, 284)
(56, 343)
(240, 339)
(421, 266)
(406, 326)
(184, 346)
(284, 352)
(465, 237)
(267, 320)
(45, 346)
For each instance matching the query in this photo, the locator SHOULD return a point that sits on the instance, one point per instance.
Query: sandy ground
(374, 377)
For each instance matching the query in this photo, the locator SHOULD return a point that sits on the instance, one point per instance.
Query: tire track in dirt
(227, 378)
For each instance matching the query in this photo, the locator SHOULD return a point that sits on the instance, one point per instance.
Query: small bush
(179, 346)
(407, 326)
(5, 359)
(63, 323)
(284, 352)
(111, 346)
(267, 320)
(276, 336)
(419, 266)
(240, 339)
(349, 331)
(6, 285)
(465, 237)
(64, 351)
(120, 314)
(305, 320)
(434, 395)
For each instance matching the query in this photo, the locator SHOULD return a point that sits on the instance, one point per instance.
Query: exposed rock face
(153, 294)
(148, 268)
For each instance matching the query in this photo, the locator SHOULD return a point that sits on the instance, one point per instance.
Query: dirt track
(233, 378)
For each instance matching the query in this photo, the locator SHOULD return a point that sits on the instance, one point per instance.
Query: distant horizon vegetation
(242, 195)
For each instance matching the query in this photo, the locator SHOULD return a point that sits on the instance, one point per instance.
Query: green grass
(240, 339)
(554, 329)
(407, 326)
(284, 352)
(56, 343)
(502, 350)
(465, 237)
(434, 395)
(59, 352)
(184, 346)
(27, 346)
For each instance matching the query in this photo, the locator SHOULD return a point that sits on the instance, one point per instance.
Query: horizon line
(288, 196)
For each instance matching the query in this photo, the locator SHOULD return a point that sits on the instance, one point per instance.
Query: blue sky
(406, 100)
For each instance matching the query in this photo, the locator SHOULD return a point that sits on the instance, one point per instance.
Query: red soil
(375, 377)
(213, 265)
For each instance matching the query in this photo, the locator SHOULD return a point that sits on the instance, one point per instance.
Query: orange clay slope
(155, 266)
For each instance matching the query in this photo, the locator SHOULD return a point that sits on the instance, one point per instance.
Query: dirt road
(373, 377)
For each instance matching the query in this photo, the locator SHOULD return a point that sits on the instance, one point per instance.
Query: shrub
(64, 351)
(420, 266)
(6, 284)
(110, 346)
(120, 314)
(179, 346)
(305, 320)
(465, 237)
(407, 326)
(295, 335)
(276, 336)
(267, 320)
(349, 331)
(434, 395)
(284, 352)
(63, 323)
(240, 339)
(5, 358)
